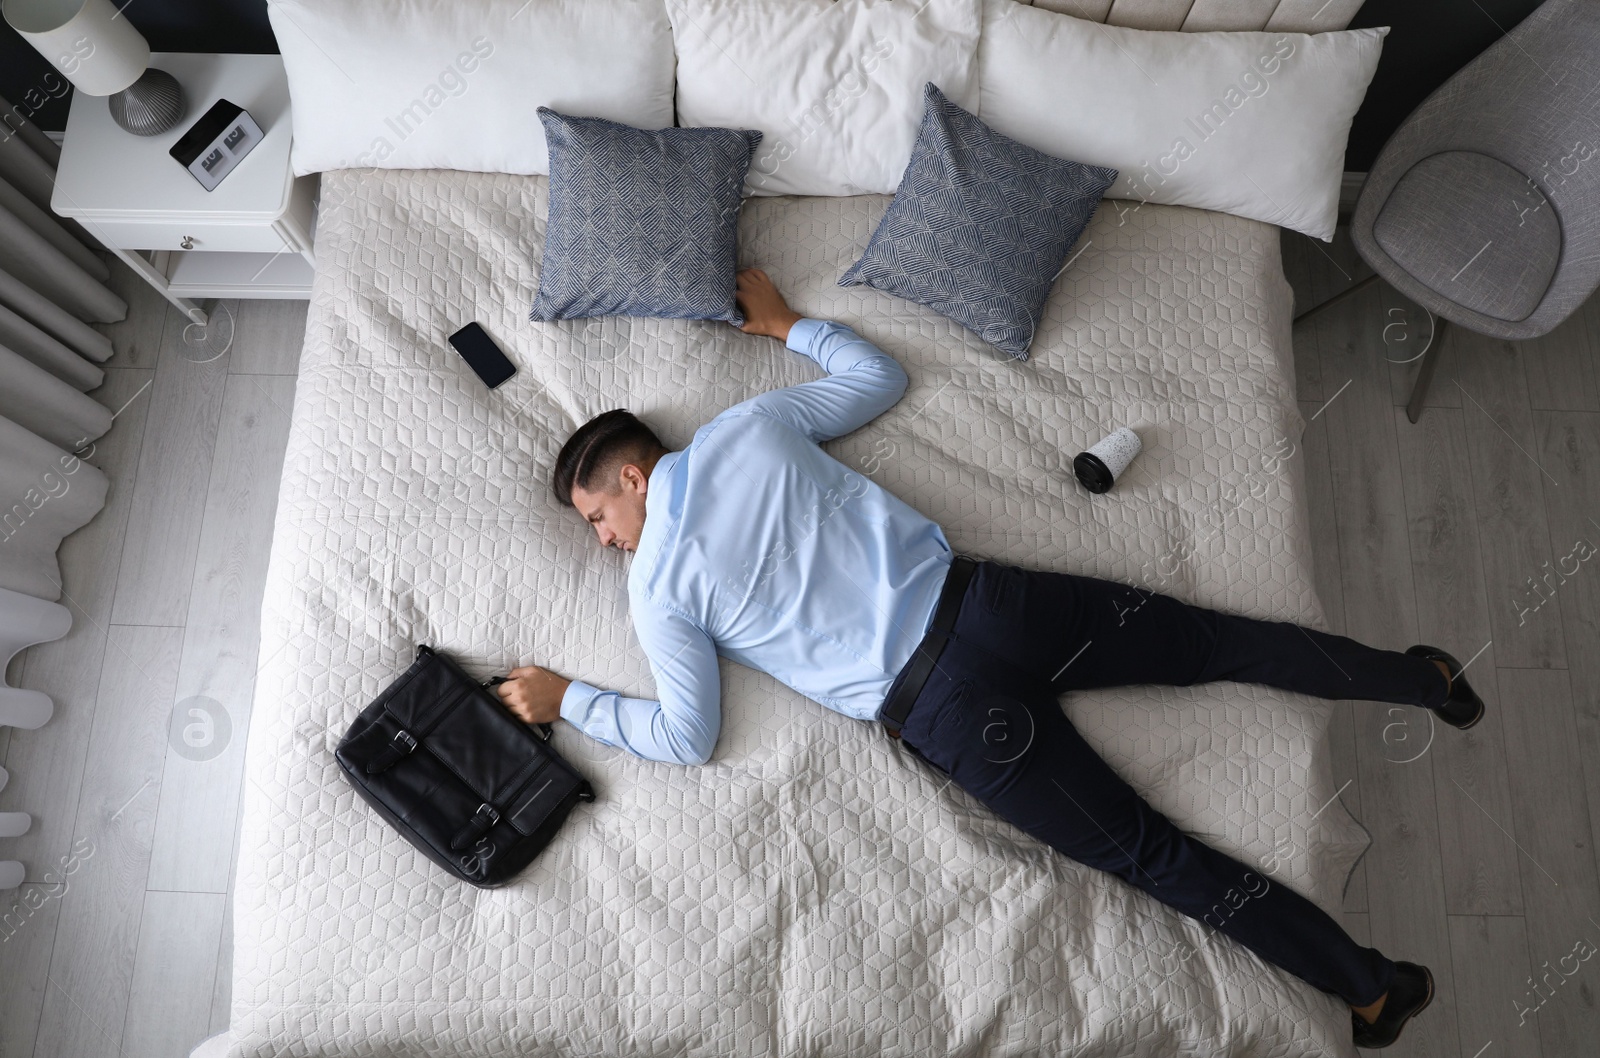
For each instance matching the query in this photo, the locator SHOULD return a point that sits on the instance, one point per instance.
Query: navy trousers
(989, 718)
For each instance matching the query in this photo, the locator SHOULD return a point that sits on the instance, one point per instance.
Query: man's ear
(633, 478)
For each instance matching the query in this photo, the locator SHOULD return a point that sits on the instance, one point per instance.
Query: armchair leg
(1430, 363)
(1357, 287)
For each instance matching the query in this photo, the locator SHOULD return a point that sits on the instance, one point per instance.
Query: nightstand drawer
(165, 235)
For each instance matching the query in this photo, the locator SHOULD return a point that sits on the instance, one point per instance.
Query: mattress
(814, 890)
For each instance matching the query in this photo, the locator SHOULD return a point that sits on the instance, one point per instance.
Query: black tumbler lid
(1092, 473)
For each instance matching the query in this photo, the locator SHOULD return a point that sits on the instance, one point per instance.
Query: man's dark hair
(598, 449)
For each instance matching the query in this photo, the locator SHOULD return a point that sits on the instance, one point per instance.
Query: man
(754, 544)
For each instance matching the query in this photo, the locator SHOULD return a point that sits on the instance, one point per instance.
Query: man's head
(604, 472)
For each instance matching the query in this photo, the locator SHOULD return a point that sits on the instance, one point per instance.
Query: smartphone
(482, 355)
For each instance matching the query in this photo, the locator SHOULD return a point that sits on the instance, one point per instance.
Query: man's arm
(863, 381)
(681, 728)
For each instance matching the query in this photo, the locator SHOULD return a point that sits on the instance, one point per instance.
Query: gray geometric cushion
(1475, 231)
(642, 223)
(980, 226)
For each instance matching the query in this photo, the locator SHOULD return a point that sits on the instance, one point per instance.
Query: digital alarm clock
(216, 143)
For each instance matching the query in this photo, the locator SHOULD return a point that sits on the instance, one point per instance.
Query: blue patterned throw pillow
(642, 222)
(980, 226)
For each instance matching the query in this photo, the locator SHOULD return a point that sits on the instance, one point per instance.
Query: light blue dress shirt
(759, 546)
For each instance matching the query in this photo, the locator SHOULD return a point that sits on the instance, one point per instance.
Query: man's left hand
(534, 694)
(765, 311)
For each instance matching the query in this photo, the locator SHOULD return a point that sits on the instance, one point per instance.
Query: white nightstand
(249, 238)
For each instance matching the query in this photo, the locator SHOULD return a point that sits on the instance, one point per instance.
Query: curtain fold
(34, 345)
(31, 171)
(49, 492)
(37, 401)
(24, 252)
(51, 284)
(49, 287)
(51, 256)
(51, 318)
(48, 228)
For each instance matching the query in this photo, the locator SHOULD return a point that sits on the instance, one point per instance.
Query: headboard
(1299, 16)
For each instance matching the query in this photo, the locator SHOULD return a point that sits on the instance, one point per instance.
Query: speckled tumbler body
(1100, 467)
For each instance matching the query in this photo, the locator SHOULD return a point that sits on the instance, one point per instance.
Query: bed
(814, 890)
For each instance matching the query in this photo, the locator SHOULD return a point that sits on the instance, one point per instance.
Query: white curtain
(52, 286)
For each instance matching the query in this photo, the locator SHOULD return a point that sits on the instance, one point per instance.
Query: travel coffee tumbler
(1100, 467)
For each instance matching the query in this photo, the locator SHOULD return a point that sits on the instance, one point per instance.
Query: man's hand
(534, 694)
(765, 311)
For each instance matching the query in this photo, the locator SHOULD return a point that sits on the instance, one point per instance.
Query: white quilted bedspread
(814, 890)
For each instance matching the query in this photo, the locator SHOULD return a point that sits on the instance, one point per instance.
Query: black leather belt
(915, 675)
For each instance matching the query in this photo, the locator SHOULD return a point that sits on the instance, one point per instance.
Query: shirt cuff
(804, 334)
(575, 702)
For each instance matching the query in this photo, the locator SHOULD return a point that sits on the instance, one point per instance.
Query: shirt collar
(658, 505)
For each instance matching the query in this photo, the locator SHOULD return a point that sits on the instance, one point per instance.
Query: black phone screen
(482, 355)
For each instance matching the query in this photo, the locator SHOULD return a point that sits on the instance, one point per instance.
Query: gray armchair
(1484, 207)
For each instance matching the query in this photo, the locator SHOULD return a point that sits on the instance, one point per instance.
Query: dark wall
(169, 25)
(1428, 41)
(1431, 39)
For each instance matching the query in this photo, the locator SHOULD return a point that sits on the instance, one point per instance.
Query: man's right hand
(765, 311)
(533, 694)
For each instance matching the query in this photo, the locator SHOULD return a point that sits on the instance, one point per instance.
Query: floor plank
(169, 1001)
(1405, 885)
(1325, 567)
(169, 497)
(1406, 333)
(1509, 484)
(1569, 443)
(221, 998)
(1559, 372)
(1489, 954)
(1369, 500)
(135, 339)
(199, 793)
(1319, 271)
(1306, 277)
(1553, 828)
(268, 337)
(46, 764)
(91, 967)
(1359, 925)
(28, 917)
(1480, 872)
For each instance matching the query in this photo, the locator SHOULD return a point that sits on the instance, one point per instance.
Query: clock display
(216, 143)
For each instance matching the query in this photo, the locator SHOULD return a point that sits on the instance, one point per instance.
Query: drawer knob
(188, 242)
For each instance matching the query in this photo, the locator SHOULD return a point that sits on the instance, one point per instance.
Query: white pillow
(442, 84)
(1247, 123)
(835, 87)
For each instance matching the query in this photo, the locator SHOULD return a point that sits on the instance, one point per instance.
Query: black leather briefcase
(449, 766)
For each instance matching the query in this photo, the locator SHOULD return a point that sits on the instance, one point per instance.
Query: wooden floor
(121, 942)
(1471, 530)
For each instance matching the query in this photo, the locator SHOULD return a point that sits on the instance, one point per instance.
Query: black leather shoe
(1463, 708)
(1410, 994)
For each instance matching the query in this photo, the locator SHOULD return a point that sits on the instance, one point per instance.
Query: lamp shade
(89, 41)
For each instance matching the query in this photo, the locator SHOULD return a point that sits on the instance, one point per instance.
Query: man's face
(617, 516)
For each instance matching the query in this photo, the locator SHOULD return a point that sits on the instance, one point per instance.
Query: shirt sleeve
(863, 382)
(682, 727)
